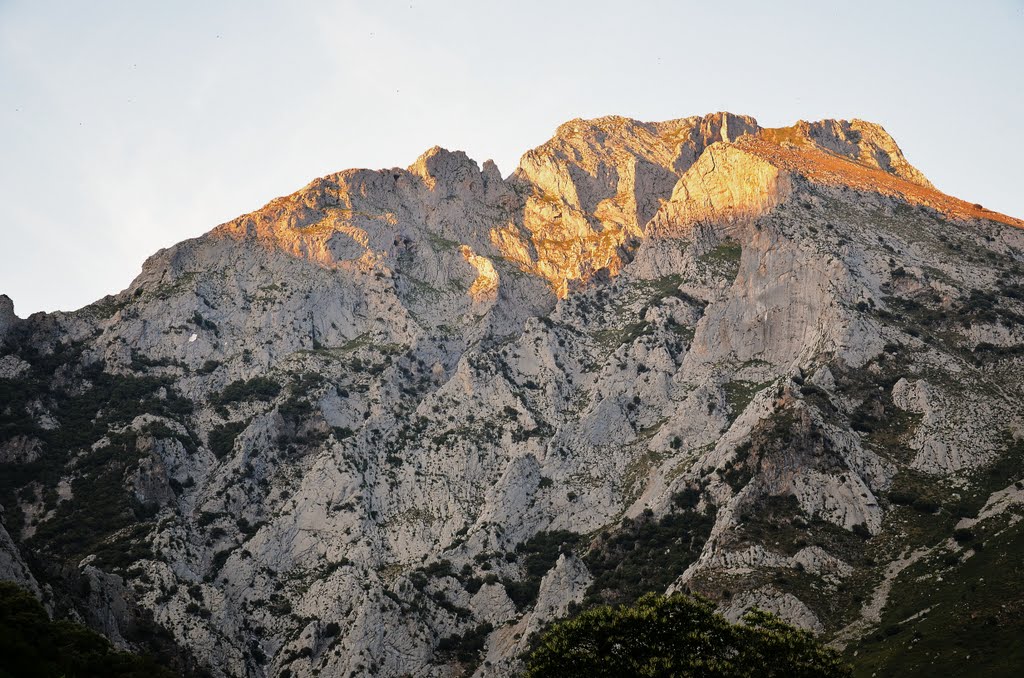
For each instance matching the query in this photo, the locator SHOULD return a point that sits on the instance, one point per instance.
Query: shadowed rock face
(398, 420)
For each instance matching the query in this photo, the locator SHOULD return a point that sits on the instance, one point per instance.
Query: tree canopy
(33, 646)
(679, 636)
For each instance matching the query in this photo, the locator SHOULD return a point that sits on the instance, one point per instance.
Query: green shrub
(902, 497)
(257, 388)
(963, 535)
(646, 554)
(465, 647)
(925, 505)
(199, 321)
(222, 438)
(219, 559)
(209, 367)
(539, 554)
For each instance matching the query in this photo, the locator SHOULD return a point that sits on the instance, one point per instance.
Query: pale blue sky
(126, 126)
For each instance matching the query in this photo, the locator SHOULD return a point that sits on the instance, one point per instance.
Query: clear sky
(126, 126)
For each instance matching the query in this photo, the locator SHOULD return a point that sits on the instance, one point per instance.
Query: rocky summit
(395, 423)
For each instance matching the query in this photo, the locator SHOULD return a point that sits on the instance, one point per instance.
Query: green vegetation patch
(724, 259)
(257, 388)
(739, 394)
(614, 338)
(647, 555)
(222, 438)
(466, 647)
(32, 645)
(102, 516)
(678, 636)
(538, 554)
(96, 403)
(967, 624)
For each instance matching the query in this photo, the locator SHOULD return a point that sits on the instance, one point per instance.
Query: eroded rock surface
(395, 422)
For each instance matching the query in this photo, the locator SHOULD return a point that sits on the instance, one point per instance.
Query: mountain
(394, 423)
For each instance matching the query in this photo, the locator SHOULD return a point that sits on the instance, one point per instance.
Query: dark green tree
(682, 637)
(33, 646)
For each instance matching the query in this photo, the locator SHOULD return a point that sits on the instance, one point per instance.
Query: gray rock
(460, 363)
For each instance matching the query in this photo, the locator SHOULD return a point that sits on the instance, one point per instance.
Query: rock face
(395, 422)
(7, 317)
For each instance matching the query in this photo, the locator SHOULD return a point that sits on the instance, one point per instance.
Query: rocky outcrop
(769, 599)
(7, 317)
(725, 186)
(860, 141)
(594, 186)
(12, 565)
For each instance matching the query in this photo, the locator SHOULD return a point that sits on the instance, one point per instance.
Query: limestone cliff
(393, 423)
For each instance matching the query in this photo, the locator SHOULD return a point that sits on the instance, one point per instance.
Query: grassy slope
(970, 616)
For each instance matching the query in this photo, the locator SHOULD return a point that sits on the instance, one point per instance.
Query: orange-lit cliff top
(832, 170)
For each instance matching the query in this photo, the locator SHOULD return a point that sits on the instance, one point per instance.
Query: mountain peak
(577, 204)
(431, 409)
(865, 142)
(876, 165)
(437, 162)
